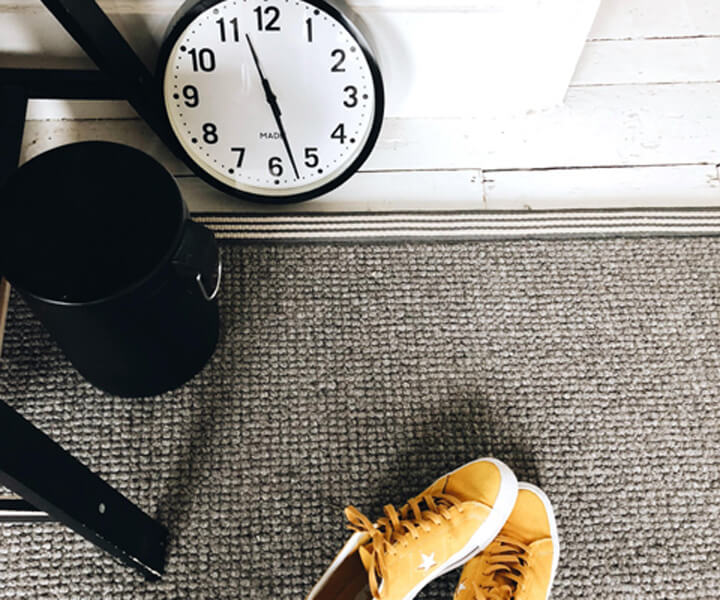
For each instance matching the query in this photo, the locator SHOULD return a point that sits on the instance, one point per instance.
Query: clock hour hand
(274, 106)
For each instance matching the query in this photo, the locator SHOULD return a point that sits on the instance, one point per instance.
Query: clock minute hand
(277, 113)
(274, 106)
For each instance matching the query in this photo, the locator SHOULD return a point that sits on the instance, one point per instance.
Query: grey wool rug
(360, 373)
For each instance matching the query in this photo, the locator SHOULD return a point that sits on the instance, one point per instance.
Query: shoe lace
(398, 527)
(506, 559)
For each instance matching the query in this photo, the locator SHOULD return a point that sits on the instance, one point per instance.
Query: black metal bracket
(61, 84)
(53, 484)
(15, 510)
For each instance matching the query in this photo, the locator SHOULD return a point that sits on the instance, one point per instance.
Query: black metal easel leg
(13, 106)
(52, 481)
(49, 479)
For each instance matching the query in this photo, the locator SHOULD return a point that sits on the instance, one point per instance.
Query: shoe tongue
(365, 556)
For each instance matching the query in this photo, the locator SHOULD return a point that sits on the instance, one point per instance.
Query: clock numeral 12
(273, 12)
(309, 29)
(235, 29)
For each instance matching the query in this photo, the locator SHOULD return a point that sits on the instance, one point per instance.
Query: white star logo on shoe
(427, 562)
(461, 587)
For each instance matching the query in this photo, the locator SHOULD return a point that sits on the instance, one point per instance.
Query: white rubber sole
(486, 533)
(553, 529)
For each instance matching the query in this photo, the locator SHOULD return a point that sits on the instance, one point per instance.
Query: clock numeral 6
(312, 159)
(210, 135)
(204, 59)
(192, 98)
(339, 133)
(275, 166)
(241, 156)
(272, 13)
(352, 100)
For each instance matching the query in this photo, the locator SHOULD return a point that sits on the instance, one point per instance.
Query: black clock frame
(187, 13)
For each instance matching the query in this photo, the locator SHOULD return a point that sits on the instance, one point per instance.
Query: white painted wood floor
(639, 128)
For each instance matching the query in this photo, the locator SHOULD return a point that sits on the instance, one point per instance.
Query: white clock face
(270, 97)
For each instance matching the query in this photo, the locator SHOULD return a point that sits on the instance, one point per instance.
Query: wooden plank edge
(4, 305)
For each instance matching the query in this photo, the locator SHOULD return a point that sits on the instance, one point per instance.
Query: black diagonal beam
(52, 481)
(86, 22)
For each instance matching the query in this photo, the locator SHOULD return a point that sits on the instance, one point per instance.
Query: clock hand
(274, 106)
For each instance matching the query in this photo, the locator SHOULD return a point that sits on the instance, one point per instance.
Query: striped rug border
(462, 225)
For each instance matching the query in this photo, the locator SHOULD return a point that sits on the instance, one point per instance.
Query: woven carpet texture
(360, 373)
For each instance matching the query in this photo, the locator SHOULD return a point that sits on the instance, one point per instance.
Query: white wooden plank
(473, 65)
(39, 110)
(601, 63)
(365, 192)
(624, 19)
(608, 126)
(671, 186)
(649, 61)
(624, 187)
(654, 186)
(31, 37)
(41, 136)
(598, 126)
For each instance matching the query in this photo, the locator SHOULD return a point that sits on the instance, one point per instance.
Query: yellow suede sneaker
(521, 562)
(435, 532)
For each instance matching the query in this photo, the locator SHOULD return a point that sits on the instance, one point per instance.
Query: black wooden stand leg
(52, 481)
(13, 105)
(49, 479)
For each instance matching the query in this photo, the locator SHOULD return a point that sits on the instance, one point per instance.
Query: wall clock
(270, 100)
